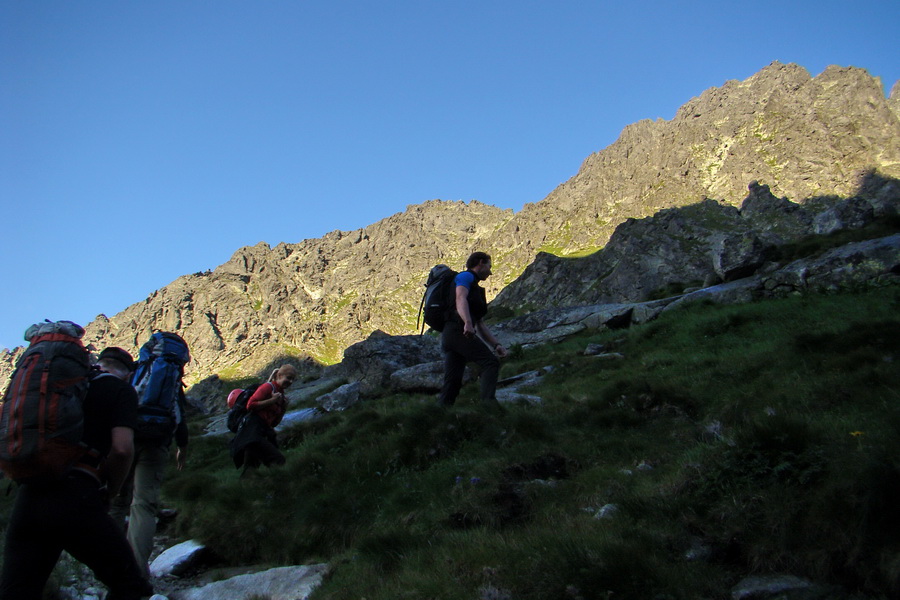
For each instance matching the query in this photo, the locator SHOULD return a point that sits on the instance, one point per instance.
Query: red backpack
(41, 418)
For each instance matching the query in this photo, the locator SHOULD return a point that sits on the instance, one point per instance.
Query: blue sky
(140, 141)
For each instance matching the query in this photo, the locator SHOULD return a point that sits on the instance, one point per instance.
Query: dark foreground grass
(728, 441)
(731, 441)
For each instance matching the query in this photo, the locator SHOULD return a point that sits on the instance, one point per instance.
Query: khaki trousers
(139, 499)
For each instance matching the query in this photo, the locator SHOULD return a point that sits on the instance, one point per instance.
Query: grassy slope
(762, 437)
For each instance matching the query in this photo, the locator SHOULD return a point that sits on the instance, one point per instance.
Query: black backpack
(439, 299)
(238, 410)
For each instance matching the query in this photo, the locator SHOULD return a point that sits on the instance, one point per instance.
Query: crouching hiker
(68, 511)
(255, 442)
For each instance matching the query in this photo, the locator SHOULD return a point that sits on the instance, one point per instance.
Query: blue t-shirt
(477, 301)
(465, 279)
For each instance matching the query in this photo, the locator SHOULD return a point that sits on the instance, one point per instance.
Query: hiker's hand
(501, 351)
(468, 330)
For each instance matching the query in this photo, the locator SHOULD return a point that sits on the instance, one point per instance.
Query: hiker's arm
(462, 307)
(263, 397)
(118, 462)
(275, 399)
(488, 337)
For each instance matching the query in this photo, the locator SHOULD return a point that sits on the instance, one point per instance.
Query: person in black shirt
(70, 513)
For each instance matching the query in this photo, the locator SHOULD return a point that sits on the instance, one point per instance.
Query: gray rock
(775, 220)
(178, 559)
(738, 256)
(860, 263)
(283, 583)
(852, 213)
(555, 324)
(734, 292)
(607, 511)
(508, 388)
(781, 587)
(372, 361)
(425, 377)
(342, 398)
(594, 349)
(514, 397)
(305, 392)
(298, 416)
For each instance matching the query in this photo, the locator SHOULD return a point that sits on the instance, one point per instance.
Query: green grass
(767, 435)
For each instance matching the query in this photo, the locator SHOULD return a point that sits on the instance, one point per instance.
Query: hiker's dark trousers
(458, 350)
(69, 515)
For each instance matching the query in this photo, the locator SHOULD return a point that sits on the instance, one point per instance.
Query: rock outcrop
(802, 136)
(694, 246)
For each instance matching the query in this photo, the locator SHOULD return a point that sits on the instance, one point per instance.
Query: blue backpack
(158, 382)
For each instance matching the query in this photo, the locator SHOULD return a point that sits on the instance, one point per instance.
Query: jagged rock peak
(894, 99)
(801, 136)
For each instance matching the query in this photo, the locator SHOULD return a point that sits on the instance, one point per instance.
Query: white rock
(177, 559)
(282, 583)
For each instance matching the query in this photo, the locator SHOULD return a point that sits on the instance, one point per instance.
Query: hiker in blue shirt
(465, 336)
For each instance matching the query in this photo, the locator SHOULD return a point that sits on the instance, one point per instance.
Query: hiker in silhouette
(139, 497)
(256, 443)
(466, 337)
(70, 512)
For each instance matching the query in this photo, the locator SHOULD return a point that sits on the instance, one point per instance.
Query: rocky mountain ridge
(802, 136)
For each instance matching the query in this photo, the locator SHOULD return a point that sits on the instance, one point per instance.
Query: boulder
(282, 583)
(342, 398)
(857, 264)
(372, 361)
(508, 388)
(871, 262)
(178, 559)
(554, 324)
(298, 416)
(851, 213)
(426, 377)
(737, 256)
(777, 587)
(775, 220)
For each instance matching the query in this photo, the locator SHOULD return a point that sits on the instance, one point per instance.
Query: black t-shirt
(110, 402)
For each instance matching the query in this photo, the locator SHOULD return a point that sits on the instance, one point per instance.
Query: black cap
(119, 355)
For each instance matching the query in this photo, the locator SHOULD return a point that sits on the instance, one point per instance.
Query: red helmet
(233, 396)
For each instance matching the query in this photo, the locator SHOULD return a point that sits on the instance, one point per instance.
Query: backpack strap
(419, 316)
